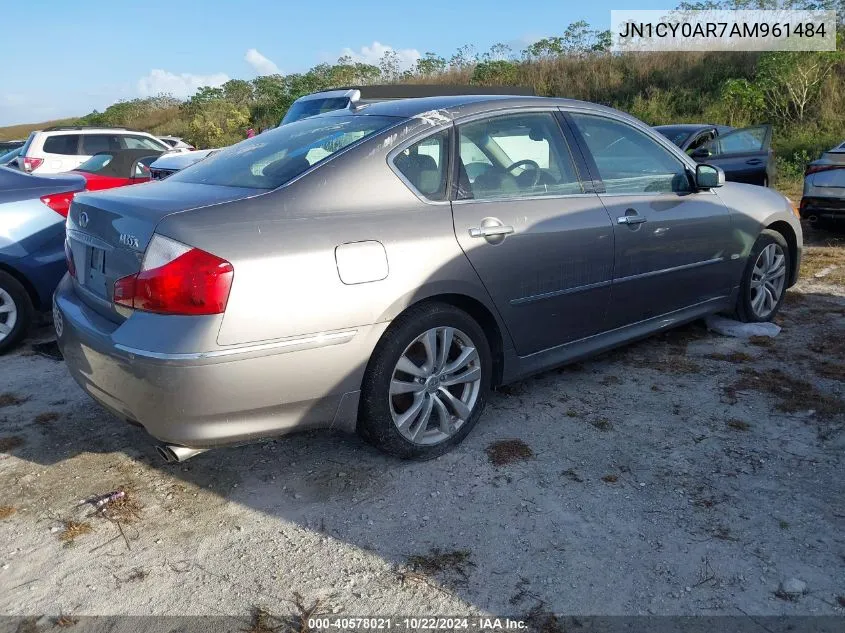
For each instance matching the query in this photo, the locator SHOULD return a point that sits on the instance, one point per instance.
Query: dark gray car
(381, 268)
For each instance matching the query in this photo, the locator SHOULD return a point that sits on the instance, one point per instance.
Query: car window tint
(269, 160)
(140, 142)
(95, 163)
(515, 155)
(700, 140)
(424, 164)
(629, 160)
(67, 144)
(752, 139)
(142, 167)
(93, 143)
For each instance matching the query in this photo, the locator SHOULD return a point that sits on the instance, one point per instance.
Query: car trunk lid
(108, 232)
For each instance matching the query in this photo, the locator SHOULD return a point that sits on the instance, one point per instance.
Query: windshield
(312, 107)
(678, 137)
(270, 160)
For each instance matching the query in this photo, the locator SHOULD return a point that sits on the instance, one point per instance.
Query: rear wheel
(15, 312)
(427, 382)
(764, 282)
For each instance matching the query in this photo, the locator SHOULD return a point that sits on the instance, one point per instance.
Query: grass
(732, 357)
(824, 263)
(610, 479)
(793, 394)
(11, 399)
(505, 452)
(438, 562)
(829, 370)
(738, 425)
(21, 132)
(44, 418)
(73, 530)
(602, 424)
(7, 511)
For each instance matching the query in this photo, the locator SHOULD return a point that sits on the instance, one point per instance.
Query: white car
(176, 144)
(58, 149)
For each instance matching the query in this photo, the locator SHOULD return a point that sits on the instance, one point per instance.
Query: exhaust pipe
(813, 219)
(174, 454)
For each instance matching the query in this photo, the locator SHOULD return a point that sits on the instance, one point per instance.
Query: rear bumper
(822, 208)
(226, 396)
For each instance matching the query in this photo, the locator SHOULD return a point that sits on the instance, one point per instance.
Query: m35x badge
(129, 240)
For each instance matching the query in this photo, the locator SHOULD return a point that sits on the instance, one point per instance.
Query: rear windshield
(95, 163)
(311, 107)
(270, 160)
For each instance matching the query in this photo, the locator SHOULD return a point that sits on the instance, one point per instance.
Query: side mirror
(701, 152)
(709, 176)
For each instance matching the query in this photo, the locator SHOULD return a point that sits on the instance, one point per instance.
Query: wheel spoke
(445, 345)
(461, 410)
(402, 386)
(757, 301)
(778, 273)
(406, 419)
(429, 342)
(4, 329)
(467, 355)
(443, 414)
(425, 416)
(770, 299)
(6, 308)
(407, 366)
(470, 375)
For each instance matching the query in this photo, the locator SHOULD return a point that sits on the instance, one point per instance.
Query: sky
(65, 58)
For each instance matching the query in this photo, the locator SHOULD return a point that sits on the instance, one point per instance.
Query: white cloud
(260, 64)
(373, 54)
(182, 85)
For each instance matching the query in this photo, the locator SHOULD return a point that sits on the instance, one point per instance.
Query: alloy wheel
(435, 385)
(8, 314)
(768, 279)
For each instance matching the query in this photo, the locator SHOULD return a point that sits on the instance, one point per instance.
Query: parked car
(340, 98)
(10, 157)
(176, 144)
(345, 270)
(7, 146)
(169, 164)
(823, 200)
(59, 149)
(32, 256)
(117, 168)
(745, 154)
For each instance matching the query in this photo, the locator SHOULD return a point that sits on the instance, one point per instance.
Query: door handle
(490, 231)
(632, 219)
(753, 161)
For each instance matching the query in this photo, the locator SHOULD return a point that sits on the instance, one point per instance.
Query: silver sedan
(380, 268)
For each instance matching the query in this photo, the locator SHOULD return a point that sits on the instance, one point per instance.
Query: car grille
(161, 174)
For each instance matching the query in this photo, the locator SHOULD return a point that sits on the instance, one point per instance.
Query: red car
(117, 168)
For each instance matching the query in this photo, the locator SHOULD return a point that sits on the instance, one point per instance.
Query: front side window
(66, 144)
(630, 161)
(751, 139)
(424, 165)
(269, 160)
(513, 156)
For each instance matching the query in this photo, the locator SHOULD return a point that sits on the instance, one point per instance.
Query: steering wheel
(528, 162)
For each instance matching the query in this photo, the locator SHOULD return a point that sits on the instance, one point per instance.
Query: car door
(541, 244)
(744, 154)
(673, 244)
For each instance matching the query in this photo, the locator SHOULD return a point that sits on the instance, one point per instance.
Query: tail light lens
(814, 169)
(59, 202)
(177, 279)
(31, 164)
(71, 266)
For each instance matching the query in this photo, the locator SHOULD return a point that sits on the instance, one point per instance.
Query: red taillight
(191, 283)
(31, 164)
(59, 202)
(814, 169)
(71, 266)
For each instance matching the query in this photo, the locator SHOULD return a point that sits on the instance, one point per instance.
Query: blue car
(32, 235)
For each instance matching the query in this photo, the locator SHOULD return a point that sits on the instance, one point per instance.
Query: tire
(749, 307)
(382, 411)
(15, 308)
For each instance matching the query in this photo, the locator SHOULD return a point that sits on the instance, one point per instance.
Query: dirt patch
(505, 452)
(738, 425)
(602, 424)
(73, 530)
(831, 371)
(437, 563)
(732, 357)
(11, 400)
(793, 394)
(44, 418)
(610, 479)
(7, 511)
(10, 443)
(825, 263)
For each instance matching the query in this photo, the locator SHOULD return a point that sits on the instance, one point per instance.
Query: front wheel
(763, 285)
(15, 312)
(426, 384)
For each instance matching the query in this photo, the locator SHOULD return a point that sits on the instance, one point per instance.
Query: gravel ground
(687, 474)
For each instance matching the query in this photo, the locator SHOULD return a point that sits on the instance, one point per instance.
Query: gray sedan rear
(381, 268)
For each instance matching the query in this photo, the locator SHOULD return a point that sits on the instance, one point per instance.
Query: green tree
(238, 91)
(430, 64)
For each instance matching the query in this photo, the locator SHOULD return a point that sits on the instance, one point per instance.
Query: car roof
(685, 127)
(461, 105)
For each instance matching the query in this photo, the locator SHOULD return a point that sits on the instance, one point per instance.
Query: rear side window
(270, 160)
(67, 144)
(424, 165)
(93, 143)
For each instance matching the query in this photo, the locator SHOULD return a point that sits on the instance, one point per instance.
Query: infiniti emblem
(83, 220)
